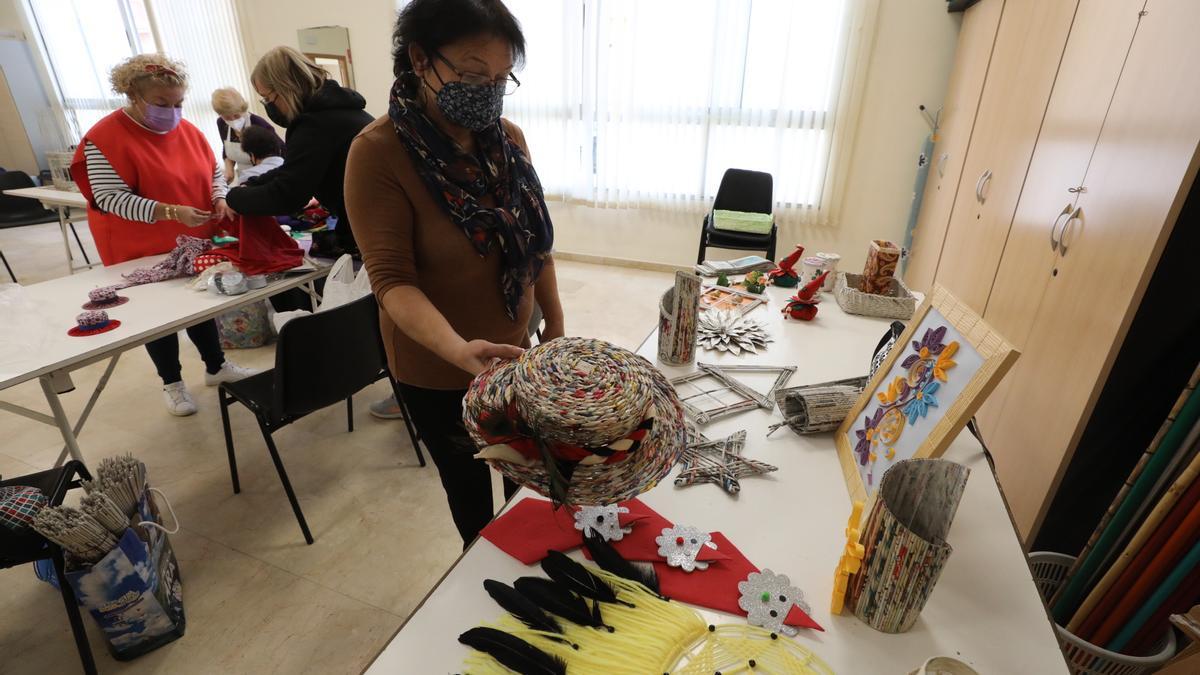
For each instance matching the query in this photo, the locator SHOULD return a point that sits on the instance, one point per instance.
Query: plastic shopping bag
(341, 286)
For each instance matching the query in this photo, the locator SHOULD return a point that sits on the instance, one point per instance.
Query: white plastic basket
(1083, 657)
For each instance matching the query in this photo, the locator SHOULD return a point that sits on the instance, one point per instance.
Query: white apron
(233, 150)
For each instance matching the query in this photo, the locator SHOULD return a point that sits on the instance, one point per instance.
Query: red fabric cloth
(716, 587)
(533, 526)
(175, 167)
(262, 246)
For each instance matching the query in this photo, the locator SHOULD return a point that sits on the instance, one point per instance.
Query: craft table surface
(153, 310)
(49, 196)
(985, 609)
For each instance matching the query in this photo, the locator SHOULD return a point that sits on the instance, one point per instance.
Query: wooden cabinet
(1083, 148)
(975, 40)
(1024, 62)
(1142, 169)
(1101, 35)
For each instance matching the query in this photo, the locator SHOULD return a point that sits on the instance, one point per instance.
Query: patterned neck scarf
(519, 224)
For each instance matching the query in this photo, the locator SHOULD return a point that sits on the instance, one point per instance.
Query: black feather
(610, 561)
(558, 600)
(523, 609)
(513, 652)
(576, 577)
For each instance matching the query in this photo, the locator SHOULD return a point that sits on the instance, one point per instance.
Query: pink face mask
(162, 118)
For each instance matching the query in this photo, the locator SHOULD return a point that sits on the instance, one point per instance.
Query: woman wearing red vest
(149, 176)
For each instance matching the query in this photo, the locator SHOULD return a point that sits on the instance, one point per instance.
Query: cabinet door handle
(980, 184)
(1054, 240)
(1069, 227)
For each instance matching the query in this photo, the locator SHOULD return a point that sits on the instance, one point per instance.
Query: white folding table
(61, 202)
(42, 350)
(985, 609)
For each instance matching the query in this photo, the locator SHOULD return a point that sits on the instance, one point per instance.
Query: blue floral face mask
(473, 106)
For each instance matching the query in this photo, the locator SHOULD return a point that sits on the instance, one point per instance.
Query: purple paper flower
(865, 434)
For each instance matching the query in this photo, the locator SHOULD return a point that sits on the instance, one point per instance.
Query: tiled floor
(257, 599)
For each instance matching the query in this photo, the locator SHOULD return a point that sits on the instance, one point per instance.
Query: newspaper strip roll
(905, 542)
(882, 257)
(817, 408)
(677, 320)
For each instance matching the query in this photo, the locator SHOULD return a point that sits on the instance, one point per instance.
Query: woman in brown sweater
(453, 228)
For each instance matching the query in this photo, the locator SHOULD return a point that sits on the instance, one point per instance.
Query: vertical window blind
(645, 104)
(84, 39)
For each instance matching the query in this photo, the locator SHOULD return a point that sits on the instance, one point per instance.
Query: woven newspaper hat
(581, 421)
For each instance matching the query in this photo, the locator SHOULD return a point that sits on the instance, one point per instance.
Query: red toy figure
(803, 305)
(785, 276)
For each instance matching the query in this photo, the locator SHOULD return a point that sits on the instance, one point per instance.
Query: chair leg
(771, 244)
(703, 242)
(7, 267)
(80, 243)
(412, 433)
(350, 413)
(287, 484)
(72, 605)
(233, 474)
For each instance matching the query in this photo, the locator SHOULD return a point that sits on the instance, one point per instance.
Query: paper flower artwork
(604, 521)
(727, 332)
(681, 544)
(907, 398)
(767, 598)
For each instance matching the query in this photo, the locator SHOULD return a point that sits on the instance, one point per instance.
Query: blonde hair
(290, 75)
(138, 73)
(228, 101)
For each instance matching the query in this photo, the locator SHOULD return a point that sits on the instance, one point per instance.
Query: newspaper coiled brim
(581, 391)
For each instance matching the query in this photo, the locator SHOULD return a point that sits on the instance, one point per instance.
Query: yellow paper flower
(893, 391)
(944, 361)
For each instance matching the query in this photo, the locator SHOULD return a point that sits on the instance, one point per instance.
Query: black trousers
(164, 352)
(437, 415)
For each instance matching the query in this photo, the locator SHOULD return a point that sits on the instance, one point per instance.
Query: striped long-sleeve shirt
(112, 194)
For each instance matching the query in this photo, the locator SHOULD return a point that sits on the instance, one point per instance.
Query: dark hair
(260, 142)
(433, 24)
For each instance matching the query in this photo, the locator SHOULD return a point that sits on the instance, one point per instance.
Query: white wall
(909, 65)
(10, 20)
(270, 23)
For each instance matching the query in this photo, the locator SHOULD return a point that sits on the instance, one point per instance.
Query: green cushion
(741, 221)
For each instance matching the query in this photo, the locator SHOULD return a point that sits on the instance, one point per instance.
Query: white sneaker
(229, 372)
(179, 400)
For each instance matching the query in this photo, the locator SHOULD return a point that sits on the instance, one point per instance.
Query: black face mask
(275, 115)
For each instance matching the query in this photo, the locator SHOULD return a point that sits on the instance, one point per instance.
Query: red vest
(175, 168)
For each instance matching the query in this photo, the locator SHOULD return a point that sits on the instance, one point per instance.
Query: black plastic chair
(320, 359)
(29, 546)
(740, 190)
(22, 211)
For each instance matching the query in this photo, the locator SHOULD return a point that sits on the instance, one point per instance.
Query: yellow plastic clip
(850, 562)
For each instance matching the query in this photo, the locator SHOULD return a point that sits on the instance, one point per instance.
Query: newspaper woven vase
(905, 542)
(678, 312)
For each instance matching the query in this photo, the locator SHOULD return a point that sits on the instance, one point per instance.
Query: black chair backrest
(325, 357)
(746, 191)
(11, 180)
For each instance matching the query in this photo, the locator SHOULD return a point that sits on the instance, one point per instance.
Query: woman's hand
(221, 211)
(477, 355)
(182, 214)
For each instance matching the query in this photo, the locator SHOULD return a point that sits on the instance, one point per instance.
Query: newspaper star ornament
(681, 544)
(603, 521)
(767, 598)
(728, 332)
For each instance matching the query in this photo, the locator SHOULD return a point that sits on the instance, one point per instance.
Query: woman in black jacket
(321, 118)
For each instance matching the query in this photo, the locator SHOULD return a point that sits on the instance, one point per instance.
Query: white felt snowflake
(681, 544)
(604, 521)
(767, 598)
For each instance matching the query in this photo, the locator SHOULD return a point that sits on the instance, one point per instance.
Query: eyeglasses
(509, 81)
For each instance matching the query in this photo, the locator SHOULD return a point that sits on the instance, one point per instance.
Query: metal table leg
(62, 226)
(87, 409)
(60, 418)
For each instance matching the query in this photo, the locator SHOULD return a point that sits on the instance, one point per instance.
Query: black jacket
(318, 140)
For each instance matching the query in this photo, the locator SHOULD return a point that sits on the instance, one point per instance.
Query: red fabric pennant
(716, 587)
(533, 526)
